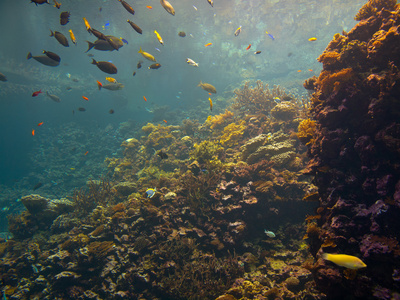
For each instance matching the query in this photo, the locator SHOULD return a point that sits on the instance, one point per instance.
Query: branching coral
(159, 136)
(259, 98)
(206, 151)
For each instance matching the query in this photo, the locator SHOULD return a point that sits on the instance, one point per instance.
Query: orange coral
(372, 7)
(219, 120)
(329, 58)
(332, 81)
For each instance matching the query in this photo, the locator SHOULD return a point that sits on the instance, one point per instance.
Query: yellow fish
(88, 27)
(313, 39)
(211, 104)
(71, 34)
(159, 37)
(343, 260)
(146, 55)
(110, 79)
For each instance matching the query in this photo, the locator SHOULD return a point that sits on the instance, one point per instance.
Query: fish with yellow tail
(88, 27)
(211, 103)
(159, 37)
(207, 87)
(344, 260)
(146, 55)
(238, 31)
(72, 35)
(168, 7)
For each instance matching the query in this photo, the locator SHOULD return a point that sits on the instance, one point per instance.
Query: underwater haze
(211, 149)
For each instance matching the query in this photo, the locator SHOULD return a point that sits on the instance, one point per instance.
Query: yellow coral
(306, 131)
(158, 136)
(219, 120)
(232, 133)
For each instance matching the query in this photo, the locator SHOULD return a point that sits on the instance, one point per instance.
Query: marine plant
(218, 121)
(232, 134)
(306, 131)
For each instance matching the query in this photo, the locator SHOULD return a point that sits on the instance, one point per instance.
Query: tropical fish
(53, 97)
(99, 84)
(52, 55)
(113, 86)
(165, 121)
(211, 2)
(162, 154)
(269, 233)
(88, 27)
(124, 40)
(146, 55)
(98, 34)
(35, 94)
(312, 39)
(40, 124)
(270, 35)
(44, 59)
(257, 52)
(110, 79)
(60, 38)
(211, 103)
(86, 153)
(40, 2)
(85, 98)
(3, 77)
(195, 8)
(57, 4)
(208, 44)
(33, 132)
(155, 66)
(181, 34)
(104, 45)
(134, 73)
(72, 35)
(248, 47)
(105, 66)
(144, 98)
(111, 111)
(192, 62)
(343, 260)
(139, 64)
(113, 43)
(81, 109)
(207, 87)
(64, 17)
(135, 26)
(150, 192)
(149, 7)
(238, 31)
(159, 37)
(128, 8)
(168, 7)
(277, 100)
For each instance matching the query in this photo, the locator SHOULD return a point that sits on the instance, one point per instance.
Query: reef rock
(284, 111)
(125, 188)
(45, 209)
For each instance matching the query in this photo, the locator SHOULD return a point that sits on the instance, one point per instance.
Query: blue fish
(124, 40)
(270, 35)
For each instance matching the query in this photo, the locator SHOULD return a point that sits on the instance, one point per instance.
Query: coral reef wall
(355, 158)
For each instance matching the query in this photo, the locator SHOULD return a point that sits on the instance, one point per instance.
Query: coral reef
(353, 147)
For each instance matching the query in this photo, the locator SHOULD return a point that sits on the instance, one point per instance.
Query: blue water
(226, 64)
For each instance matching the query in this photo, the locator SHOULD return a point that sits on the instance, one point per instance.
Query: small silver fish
(53, 97)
